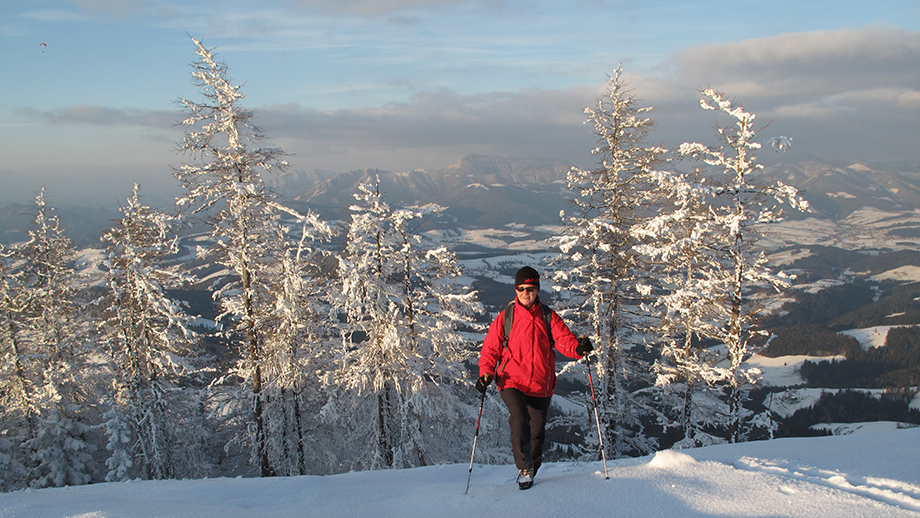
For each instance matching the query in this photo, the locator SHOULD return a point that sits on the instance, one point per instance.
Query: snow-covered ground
(851, 428)
(871, 336)
(907, 273)
(872, 475)
(783, 371)
(864, 229)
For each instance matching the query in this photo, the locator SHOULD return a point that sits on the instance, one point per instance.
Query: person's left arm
(566, 341)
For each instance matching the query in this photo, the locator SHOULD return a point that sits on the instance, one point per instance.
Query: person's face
(527, 294)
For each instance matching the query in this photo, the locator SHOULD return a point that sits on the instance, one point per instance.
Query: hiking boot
(525, 478)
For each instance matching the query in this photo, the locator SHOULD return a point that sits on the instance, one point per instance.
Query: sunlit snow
(866, 473)
(871, 336)
(783, 371)
(903, 274)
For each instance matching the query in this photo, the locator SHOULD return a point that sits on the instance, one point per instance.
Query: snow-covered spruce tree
(744, 197)
(145, 332)
(225, 183)
(689, 282)
(18, 392)
(402, 375)
(120, 443)
(53, 334)
(599, 266)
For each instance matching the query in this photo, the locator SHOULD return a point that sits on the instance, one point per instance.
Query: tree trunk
(255, 359)
(384, 441)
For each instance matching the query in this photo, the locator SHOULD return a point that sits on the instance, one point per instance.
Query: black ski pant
(528, 426)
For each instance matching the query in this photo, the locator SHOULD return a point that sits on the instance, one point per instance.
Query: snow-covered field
(901, 274)
(872, 475)
(871, 336)
(864, 229)
(783, 371)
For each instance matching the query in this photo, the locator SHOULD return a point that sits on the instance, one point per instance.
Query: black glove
(584, 346)
(482, 383)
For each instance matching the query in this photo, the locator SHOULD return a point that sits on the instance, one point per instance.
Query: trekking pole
(482, 400)
(597, 419)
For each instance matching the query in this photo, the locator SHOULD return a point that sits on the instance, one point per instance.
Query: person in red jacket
(525, 369)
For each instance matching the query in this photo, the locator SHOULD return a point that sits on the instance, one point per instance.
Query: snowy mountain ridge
(834, 191)
(478, 191)
(490, 192)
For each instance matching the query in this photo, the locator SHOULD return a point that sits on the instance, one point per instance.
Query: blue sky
(404, 84)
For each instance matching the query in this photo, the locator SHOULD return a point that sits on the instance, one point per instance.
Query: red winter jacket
(530, 366)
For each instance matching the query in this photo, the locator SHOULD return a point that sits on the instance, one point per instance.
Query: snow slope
(870, 337)
(861, 475)
(783, 371)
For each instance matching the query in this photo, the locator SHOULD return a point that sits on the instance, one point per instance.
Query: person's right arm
(492, 347)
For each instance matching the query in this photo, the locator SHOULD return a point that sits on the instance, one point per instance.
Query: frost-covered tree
(743, 197)
(599, 265)
(224, 182)
(146, 333)
(297, 354)
(18, 391)
(689, 283)
(402, 374)
(52, 332)
(120, 443)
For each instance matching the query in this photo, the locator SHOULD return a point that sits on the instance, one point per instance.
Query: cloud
(99, 116)
(810, 85)
(385, 7)
(813, 63)
(845, 94)
(53, 16)
(527, 123)
(119, 8)
(431, 130)
(438, 116)
(822, 88)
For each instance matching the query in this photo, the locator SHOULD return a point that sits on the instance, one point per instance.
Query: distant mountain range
(83, 225)
(491, 192)
(836, 190)
(478, 191)
(483, 191)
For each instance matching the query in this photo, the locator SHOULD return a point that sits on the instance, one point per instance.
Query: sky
(87, 103)
(871, 473)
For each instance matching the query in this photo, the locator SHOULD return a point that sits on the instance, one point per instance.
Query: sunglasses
(528, 289)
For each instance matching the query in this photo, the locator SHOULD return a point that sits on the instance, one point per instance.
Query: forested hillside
(812, 324)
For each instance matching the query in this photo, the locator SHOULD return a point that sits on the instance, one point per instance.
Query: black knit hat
(527, 275)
